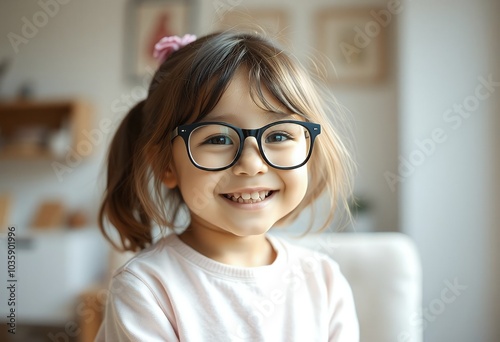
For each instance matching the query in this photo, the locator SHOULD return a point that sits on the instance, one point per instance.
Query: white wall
(449, 204)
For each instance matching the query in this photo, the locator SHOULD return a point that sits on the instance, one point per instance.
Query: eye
(277, 137)
(218, 140)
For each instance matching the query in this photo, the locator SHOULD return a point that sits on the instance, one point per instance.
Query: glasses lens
(213, 146)
(286, 144)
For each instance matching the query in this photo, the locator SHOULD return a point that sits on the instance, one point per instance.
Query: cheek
(199, 188)
(195, 195)
(296, 182)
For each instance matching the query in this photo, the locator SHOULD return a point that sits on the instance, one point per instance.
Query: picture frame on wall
(272, 22)
(354, 44)
(147, 22)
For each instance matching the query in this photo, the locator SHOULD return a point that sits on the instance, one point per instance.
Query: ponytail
(121, 205)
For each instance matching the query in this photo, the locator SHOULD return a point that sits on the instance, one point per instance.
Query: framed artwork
(273, 22)
(354, 44)
(149, 21)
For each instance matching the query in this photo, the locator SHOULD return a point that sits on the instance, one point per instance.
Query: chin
(250, 231)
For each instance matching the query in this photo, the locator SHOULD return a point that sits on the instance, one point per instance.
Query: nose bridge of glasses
(250, 133)
(250, 158)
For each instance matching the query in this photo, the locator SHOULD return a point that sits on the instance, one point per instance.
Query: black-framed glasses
(215, 146)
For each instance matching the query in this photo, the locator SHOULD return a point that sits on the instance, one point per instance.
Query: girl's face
(210, 195)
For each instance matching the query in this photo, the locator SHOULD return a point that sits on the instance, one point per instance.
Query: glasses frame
(184, 131)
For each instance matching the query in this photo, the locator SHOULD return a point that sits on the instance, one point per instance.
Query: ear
(170, 177)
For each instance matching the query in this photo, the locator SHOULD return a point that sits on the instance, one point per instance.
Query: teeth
(253, 197)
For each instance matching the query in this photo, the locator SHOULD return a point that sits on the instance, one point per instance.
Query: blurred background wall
(449, 202)
(427, 167)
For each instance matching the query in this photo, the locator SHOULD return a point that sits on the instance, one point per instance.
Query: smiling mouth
(247, 198)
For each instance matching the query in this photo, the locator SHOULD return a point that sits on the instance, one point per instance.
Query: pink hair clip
(168, 45)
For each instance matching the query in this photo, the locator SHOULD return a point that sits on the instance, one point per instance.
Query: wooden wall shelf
(28, 128)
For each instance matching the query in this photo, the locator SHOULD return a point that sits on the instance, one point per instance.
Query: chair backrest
(385, 275)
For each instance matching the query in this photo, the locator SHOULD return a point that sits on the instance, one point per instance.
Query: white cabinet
(52, 269)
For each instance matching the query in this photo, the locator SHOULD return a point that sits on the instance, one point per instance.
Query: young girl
(234, 134)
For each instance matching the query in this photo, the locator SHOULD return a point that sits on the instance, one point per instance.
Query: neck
(224, 247)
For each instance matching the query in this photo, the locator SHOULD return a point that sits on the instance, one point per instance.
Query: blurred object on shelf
(5, 206)
(28, 141)
(359, 205)
(77, 219)
(49, 215)
(45, 129)
(60, 140)
(4, 66)
(25, 91)
(362, 215)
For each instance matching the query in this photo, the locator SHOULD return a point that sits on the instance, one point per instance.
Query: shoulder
(322, 274)
(143, 278)
(306, 252)
(158, 258)
(309, 259)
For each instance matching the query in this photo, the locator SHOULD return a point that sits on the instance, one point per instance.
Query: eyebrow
(272, 116)
(217, 117)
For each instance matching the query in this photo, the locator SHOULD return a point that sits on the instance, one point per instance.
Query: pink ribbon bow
(168, 45)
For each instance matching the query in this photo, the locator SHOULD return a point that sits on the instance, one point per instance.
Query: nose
(250, 162)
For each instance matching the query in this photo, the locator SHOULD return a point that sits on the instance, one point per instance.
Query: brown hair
(185, 88)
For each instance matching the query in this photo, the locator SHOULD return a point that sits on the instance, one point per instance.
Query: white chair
(385, 275)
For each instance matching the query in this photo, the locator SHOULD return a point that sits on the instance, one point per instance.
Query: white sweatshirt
(170, 292)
